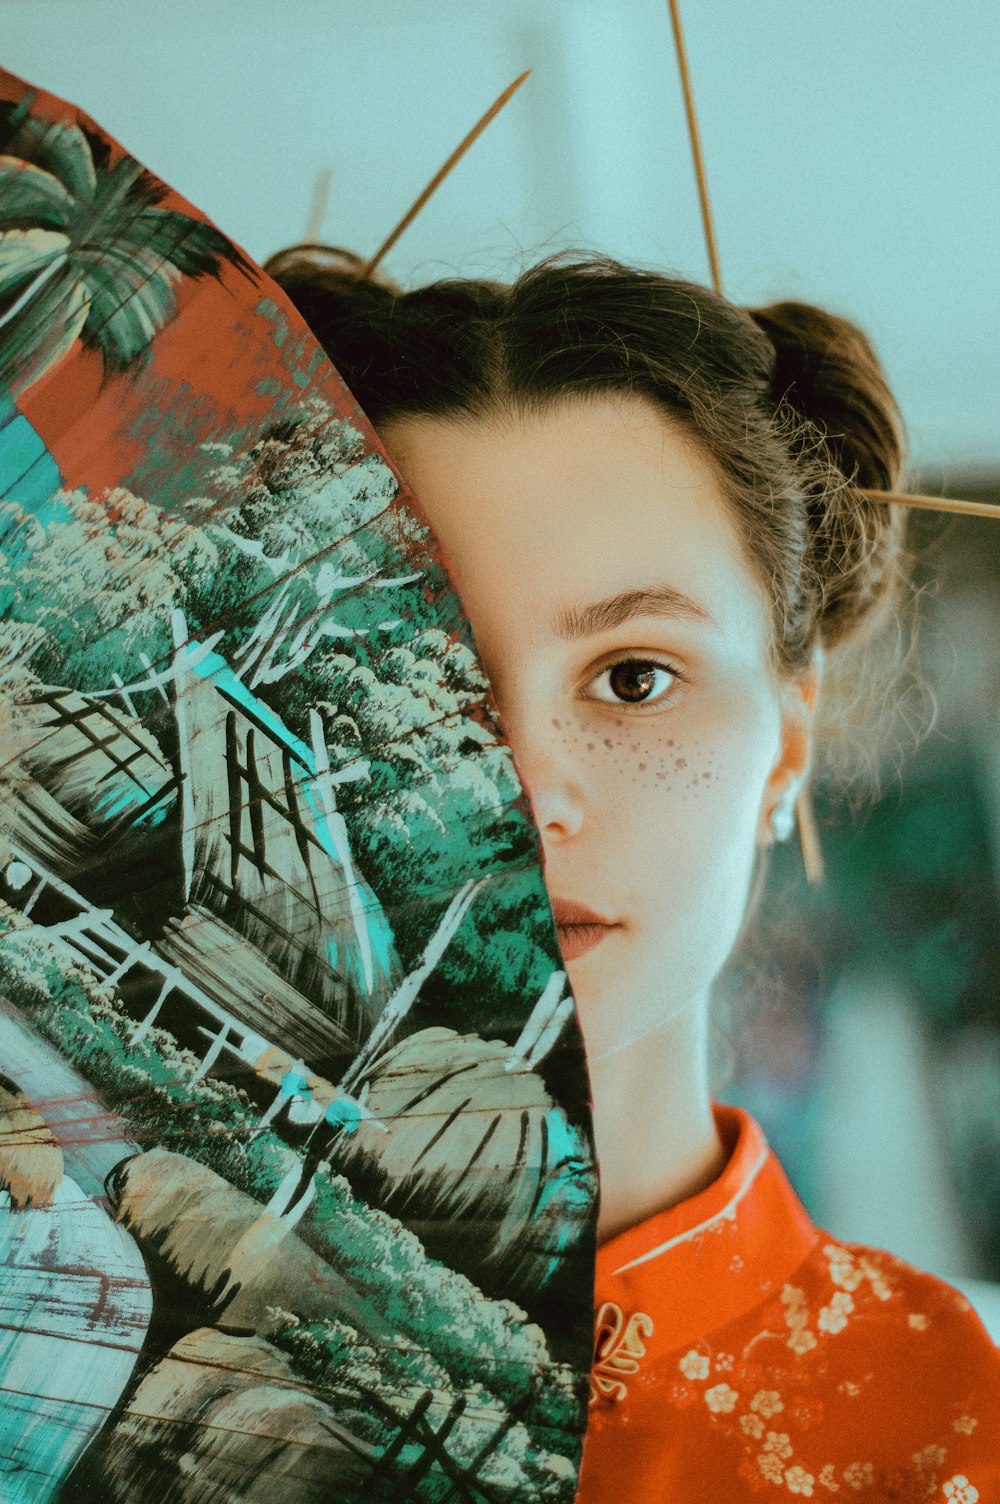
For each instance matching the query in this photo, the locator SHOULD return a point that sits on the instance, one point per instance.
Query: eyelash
(637, 707)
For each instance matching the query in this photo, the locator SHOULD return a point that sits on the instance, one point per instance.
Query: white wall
(853, 149)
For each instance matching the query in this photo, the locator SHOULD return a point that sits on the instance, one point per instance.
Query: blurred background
(853, 152)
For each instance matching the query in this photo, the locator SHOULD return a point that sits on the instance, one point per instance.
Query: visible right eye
(632, 683)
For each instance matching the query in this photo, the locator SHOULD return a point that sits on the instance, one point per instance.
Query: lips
(580, 928)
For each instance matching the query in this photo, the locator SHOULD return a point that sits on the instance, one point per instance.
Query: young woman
(652, 504)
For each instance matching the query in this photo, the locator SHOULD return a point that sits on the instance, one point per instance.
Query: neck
(655, 1135)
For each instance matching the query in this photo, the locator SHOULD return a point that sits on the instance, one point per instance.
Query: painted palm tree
(85, 250)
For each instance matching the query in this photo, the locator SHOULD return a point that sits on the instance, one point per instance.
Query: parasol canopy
(297, 1189)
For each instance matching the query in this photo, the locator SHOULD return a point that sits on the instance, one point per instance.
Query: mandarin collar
(711, 1258)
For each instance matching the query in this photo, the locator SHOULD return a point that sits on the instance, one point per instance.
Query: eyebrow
(615, 610)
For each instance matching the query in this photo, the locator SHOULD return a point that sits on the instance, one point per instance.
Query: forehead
(545, 511)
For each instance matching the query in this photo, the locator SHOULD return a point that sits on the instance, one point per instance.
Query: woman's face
(626, 641)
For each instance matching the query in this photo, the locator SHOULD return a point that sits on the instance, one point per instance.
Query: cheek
(680, 805)
(687, 787)
(629, 757)
(722, 766)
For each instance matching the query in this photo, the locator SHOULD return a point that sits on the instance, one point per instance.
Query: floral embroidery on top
(694, 1365)
(797, 1396)
(848, 1269)
(799, 1481)
(721, 1398)
(833, 1318)
(797, 1320)
(960, 1491)
(769, 1424)
(618, 1348)
(843, 1267)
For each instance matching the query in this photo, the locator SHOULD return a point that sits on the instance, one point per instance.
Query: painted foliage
(296, 1183)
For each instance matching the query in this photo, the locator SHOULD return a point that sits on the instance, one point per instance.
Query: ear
(799, 695)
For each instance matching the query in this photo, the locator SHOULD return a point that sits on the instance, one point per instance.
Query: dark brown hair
(789, 402)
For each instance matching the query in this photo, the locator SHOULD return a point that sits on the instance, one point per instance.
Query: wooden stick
(442, 173)
(699, 164)
(320, 199)
(936, 503)
(812, 851)
(809, 841)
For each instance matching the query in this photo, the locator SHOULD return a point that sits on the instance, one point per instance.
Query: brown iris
(632, 680)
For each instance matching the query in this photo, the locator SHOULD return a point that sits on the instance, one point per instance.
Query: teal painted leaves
(85, 249)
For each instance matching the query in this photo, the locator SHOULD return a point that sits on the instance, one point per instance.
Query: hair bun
(827, 371)
(827, 374)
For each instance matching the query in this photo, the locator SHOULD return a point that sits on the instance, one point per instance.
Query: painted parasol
(296, 1177)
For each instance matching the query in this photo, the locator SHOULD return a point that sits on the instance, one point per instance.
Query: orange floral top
(742, 1353)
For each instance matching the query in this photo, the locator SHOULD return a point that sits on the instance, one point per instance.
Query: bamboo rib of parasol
(936, 503)
(812, 853)
(443, 171)
(696, 153)
(320, 199)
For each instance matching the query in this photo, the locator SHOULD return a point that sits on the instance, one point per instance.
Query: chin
(592, 976)
(619, 1007)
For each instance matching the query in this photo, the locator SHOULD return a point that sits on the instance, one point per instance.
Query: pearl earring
(783, 814)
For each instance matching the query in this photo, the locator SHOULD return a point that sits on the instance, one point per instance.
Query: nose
(558, 818)
(551, 780)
